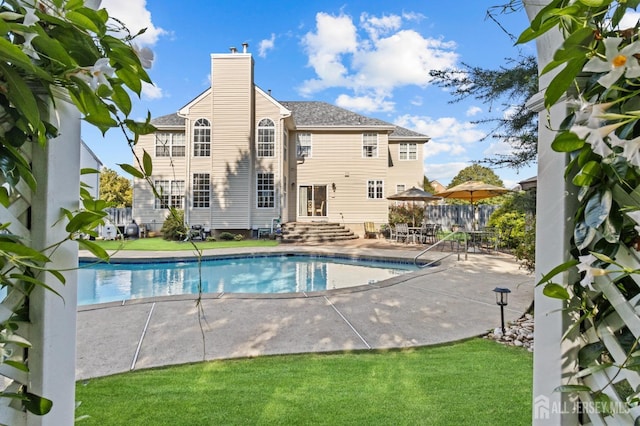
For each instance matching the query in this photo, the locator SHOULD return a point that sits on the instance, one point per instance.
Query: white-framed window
(266, 144)
(202, 138)
(370, 145)
(375, 189)
(170, 144)
(285, 145)
(266, 193)
(201, 190)
(171, 194)
(408, 151)
(304, 147)
(400, 188)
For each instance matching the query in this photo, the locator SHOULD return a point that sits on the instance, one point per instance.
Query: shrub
(226, 236)
(406, 213)
(238, 237)
(173, 228)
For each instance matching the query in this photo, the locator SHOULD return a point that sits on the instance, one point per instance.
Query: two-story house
(236, 159)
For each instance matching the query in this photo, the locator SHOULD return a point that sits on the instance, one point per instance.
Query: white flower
(595, 137)
(30, 17)
(27, 47)
(145, 55)
(585, 266)
(618, 62)
(630, 148)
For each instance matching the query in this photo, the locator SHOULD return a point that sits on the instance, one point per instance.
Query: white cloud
(417, 101)
(151, 92)
(135, 16)
(266, 45)
(444, 172)
(364, 103)
(474, 110)
(374, 59)
(498, 148)
(444, 130)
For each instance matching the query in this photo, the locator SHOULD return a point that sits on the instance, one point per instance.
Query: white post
(53, 318)
(555, 358)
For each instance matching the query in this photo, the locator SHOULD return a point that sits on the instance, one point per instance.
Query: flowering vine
(54, 51)
(597, 70)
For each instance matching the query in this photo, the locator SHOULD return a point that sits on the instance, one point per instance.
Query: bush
(406, 213)
(226, 236)
(173, 228)
(238, 237)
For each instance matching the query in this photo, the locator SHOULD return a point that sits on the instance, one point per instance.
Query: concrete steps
(315, 232)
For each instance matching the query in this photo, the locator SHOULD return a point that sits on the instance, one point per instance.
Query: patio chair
(402, 231)
(427, 233)
(195, 233)
(370, 230)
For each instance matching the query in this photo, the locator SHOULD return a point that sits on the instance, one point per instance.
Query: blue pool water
(100, 283)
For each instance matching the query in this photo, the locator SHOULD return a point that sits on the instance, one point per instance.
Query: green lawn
(475, 382)
(158, 244)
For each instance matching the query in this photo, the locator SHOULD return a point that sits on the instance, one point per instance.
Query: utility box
(109, 232)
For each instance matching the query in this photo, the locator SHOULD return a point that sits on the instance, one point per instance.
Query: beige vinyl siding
(405, 172)
(337, 158)
(261, 217)
(233, 138)
(164, 168)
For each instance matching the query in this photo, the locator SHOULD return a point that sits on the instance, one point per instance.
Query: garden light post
(501, 300)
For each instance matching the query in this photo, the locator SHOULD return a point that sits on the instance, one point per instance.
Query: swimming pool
(100, 283)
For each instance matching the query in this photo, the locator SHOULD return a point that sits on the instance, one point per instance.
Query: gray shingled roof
(168, 120)
(313, 113)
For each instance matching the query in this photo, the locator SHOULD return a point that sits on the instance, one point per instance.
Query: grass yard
(158, 244)
(475, 382)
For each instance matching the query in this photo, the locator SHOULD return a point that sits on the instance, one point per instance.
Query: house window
(266, 190)
(408, 151)
(201, 190)
(266, 138)
(370, 145)
(303, 145)
(170, 144)
(171, 194)
(399, 188)
(202, 138)
(375, 189)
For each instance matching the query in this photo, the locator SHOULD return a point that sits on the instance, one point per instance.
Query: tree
(426, 185)
(511, 85)
(476, 172)
(115, 189)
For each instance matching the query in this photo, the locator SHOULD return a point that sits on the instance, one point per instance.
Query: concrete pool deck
(446, 303)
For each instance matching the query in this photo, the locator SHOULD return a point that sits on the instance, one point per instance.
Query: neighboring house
(237, 159)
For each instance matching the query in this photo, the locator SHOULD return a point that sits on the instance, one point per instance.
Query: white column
(555, 358)
(53, 318)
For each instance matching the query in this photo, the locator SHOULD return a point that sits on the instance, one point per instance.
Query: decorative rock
(518, 333)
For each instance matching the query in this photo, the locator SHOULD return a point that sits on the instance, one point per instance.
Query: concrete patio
(439, 304)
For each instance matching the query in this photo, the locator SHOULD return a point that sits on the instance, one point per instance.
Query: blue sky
(369, 57)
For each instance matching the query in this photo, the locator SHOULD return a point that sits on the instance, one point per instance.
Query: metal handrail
(446, 238)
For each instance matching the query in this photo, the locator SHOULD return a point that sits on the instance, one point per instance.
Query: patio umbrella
(472, 191)
(413, 194)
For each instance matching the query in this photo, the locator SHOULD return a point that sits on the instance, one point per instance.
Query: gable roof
(168, 120)
(322, 114)
(314, 114)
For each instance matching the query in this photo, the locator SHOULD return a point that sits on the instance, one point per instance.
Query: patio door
(312, 200)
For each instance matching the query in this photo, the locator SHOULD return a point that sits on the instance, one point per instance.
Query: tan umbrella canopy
(472, 191)
(413, 194)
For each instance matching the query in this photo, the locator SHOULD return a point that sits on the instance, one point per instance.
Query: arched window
(266, 138)
(202, 138)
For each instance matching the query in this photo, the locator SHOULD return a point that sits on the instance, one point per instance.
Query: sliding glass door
(312, 200)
